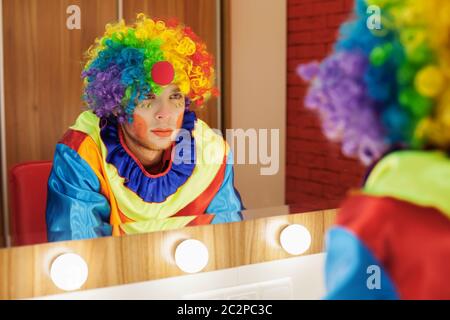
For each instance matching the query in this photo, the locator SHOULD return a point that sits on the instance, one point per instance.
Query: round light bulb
(295, 239)
(69, 271)
(191, 256)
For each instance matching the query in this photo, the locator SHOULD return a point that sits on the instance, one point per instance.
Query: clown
(139, 160)
(385, 95)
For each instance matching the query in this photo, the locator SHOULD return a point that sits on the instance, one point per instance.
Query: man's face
(156, 119)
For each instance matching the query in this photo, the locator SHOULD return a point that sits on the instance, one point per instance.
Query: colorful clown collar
(419, 177)
(150, 188)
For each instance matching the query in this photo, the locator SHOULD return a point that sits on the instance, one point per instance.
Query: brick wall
(317, 174)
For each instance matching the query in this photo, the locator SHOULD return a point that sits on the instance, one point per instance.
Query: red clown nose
(163, 73)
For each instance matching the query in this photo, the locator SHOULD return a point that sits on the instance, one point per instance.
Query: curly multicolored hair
(128, 63)
(387, 87)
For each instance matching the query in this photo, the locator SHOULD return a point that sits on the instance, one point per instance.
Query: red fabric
(28, 194)
(73, 139)
(411, 242)
(202, 220)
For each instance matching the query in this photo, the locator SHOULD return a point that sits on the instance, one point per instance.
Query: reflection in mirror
(140, 260)
(147, 150)
(173, 130)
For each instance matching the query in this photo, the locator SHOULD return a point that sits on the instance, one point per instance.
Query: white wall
(258, 85)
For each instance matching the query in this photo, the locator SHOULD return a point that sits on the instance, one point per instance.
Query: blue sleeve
(351, 270)
(75, 207)
(226, 204)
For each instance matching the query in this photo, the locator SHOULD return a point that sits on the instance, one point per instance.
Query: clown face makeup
(156, 119)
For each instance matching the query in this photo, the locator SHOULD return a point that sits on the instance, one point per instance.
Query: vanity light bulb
(69, 271)
(295, 239)
(191, 256)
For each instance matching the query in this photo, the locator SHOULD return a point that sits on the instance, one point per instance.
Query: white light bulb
(69, 271)
(191, 256)
(295, 239)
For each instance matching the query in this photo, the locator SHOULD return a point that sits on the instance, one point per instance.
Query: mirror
(280, 162)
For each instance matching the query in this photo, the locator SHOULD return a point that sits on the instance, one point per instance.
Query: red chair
(28, 196)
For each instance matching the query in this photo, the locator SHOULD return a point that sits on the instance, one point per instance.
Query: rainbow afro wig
(128, 63)
(386, 86)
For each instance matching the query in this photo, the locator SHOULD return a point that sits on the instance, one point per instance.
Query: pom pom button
(163, 73)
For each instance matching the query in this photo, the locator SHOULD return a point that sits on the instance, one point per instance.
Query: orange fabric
(89, 151)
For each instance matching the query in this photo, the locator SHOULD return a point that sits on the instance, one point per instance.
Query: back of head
(386, 83)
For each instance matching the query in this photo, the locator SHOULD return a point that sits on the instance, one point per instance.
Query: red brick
(323, 174)
(333, 204)
(292, 119)
(310, 160)
(291, 157)
(348, 5)
(308, 121)
(295, 102)
(304, 37)
(346, 165)
(310, 51)
(316, 8)
(323, 36)
(325, 7)
(290, 183)
(307, 23)
(298, 172)
(310, 147)
(334, 192)
(335, 20)
(302, 10)
(296, 91)
(309, 134)
(291, 196)
(350, 180)
(310, 202)
(293, 63)
(291, 131)
(305, 187)
(311, 37)
(326, 177)
(294, 79)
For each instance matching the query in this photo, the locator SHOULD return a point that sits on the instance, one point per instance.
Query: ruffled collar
(151, 188)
